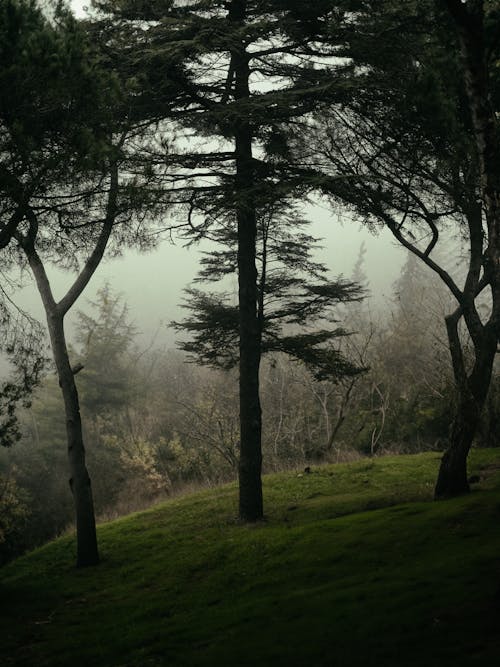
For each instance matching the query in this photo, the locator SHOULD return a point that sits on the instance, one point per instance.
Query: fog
(151, 283)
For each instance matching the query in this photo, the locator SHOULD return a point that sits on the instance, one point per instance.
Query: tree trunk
(251, 504)
(87, 553)
(469, 21)
(250, 466)
(472, 393)
(452, 477)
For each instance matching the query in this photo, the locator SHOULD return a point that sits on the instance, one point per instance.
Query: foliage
(38, 465)
(353, 564)
(64, 193)
(159, 424)
(245, 76)
(104, 338)
(47, 136)
(22, 346)
(298, 303)
(415, 149)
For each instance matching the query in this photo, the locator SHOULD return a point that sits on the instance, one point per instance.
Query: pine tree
(64, 187)
(104, 338)
(297, 302)
(240, 75)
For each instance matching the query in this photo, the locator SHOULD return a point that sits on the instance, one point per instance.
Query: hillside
(354, 566)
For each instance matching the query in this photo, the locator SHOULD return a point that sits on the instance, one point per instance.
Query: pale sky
(152, 282)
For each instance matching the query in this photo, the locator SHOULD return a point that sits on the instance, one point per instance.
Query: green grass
(355, 565)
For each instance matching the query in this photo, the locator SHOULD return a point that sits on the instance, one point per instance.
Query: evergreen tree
(241, 75)
(65, 186)
(295, 297)
(104, 338)
(38, 77)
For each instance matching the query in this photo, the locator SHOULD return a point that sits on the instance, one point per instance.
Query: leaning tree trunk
(472, 391)
(250, 466)
(87, 553)
(452, 478)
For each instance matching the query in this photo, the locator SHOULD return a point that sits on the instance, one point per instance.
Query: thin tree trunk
(250, 466)
(340, 414)
(87, 552)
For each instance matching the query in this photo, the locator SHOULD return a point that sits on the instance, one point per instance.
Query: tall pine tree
(236, 77)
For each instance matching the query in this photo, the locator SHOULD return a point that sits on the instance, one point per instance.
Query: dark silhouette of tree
(477, 28)
(67, 182)
(416, 150)
(239, 75)
(40, 108)
(296, 305)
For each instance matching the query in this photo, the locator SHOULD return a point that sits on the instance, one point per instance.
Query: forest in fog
(218, 122)
(157, 424)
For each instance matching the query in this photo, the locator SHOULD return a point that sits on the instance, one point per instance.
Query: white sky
(78, 6)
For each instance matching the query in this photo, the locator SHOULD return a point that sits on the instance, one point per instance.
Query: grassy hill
(355, 565)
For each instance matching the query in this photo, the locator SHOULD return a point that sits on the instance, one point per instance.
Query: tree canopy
(414, 158)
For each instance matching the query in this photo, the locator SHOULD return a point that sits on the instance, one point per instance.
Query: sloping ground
(354, 566)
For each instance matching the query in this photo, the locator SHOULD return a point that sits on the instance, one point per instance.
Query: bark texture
(80, 485)
(81, 488)
(452, 477)
(250, 466)
(79, 482)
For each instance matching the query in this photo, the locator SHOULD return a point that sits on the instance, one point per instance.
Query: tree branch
(93, 261)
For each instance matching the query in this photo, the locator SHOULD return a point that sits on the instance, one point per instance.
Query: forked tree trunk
(469, 22)
(452, 477)
(87, 552)
(472, 389)
(86, 538)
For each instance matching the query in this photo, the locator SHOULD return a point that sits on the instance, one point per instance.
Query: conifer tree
(64, 188)
(296, 306)
(239, 75)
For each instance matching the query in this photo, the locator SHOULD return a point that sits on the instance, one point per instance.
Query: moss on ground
(355, 565)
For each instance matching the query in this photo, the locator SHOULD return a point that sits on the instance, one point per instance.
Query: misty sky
(152, 283)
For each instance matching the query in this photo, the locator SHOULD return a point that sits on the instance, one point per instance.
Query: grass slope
(354, 566)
